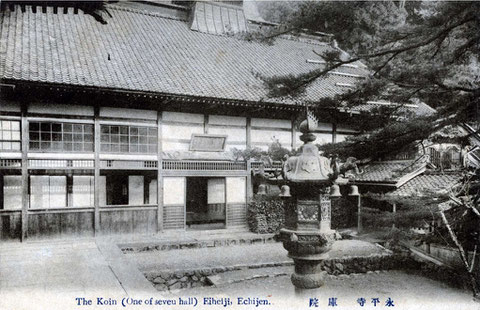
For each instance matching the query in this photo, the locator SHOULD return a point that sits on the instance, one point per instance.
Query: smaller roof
(393, 173)
(427, 182)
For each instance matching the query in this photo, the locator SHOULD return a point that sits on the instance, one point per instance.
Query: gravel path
(234, 255)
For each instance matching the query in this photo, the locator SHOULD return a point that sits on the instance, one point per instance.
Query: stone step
(246, 274)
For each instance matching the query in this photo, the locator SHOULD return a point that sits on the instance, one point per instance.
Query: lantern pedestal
(307, 235)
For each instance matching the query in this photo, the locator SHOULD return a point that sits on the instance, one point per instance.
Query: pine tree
(426, 51)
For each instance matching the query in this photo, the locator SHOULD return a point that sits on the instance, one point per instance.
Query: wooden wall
(10, 225)
(174, 217)
(265, 131)
(175, 131)
(141, 220)
(237, 216)
(68, 223)
(234, 127)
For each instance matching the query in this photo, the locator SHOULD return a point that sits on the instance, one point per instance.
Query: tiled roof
(426, 182)
(143, 51)
(147, 51)
(388, 172)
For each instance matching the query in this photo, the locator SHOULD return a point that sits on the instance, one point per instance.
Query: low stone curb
(172, 245)
(177, 279)
(173, 280)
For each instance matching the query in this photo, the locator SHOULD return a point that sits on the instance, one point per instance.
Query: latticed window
(10, 138)
(128, 139)
(61, 137)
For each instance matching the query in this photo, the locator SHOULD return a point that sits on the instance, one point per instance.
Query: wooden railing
(128, 164)
(10, 163)
(276, 165)
(204, 165)
(60, 163)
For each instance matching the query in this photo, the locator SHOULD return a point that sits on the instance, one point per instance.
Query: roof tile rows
(385, 172)
(140, 50)
(424, 183)
(148, 52)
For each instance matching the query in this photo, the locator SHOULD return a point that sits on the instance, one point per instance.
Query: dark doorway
(205, 203)
(117, 190)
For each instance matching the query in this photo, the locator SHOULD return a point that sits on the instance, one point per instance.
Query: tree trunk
(471, 275)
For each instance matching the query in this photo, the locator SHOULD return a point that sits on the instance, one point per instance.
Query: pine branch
(456, 88)
(306, 79)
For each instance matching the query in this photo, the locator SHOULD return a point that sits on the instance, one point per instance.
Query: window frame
(11, 131)
(127, 139)
(64, 135)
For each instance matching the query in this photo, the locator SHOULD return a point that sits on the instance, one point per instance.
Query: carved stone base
(308, 249)
(308, 281)
(299, 243)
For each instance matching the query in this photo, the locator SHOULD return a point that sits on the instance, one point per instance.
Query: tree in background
(417, 51)
(422, 51)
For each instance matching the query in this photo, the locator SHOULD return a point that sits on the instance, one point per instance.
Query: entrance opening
(132, 188)
(205, 203)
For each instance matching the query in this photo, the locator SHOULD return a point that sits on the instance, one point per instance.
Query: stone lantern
(307, 235)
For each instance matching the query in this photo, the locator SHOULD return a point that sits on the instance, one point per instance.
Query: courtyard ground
(58, 274)
(235, 255)
(408, 291)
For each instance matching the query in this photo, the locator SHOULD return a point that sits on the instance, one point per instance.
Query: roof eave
(15, 84)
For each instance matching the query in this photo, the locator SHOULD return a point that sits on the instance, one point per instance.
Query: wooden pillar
(294, 134)
(249, 132)
(249, 182)
(96, 219)
(334, 132)
(359, 217)
(25, 199)
(394, 210)
(205, 123)
(159, 174)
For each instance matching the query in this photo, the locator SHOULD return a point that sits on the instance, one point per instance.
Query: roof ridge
(287, 37)
(144, 12)
(393, 161)
(445, 172)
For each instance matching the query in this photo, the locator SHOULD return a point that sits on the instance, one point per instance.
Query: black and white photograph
(255, 154)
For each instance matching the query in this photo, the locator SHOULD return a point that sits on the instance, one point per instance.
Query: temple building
(123, 122)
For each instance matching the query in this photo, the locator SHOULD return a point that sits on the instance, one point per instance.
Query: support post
(249, 132)
(359, 207)
(294, 134)
(394, 210)
(334, 132)
(25, 201)
(96, 131)
(249, 181)
(205, 123)
(159, 174)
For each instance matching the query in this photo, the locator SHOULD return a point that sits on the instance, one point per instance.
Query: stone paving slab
(50, 274)
(55, 264)
(126, 272)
